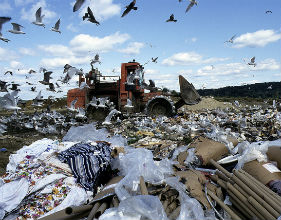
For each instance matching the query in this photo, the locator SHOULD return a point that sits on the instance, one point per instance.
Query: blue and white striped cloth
(88, 162)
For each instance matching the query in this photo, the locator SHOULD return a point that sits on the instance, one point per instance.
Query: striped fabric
(88, 162)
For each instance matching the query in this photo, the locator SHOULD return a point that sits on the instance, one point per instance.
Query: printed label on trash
(271, 168)
(135, 185)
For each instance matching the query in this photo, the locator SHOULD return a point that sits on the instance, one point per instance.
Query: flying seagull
(154, 60)
(72, 105)
(39, 18)
(267, 12)
(47, 78)
(172, 18)
(192, 2)
(129, 8)
(70, 72)
(78, 5)
(51, 87)
(11, 101)
(3, 86)
(33, 89)
(2, 21)
(252, 62)
(96, 60)
(16, 29)
(231, 39)
(83, 85)
(15, 87)
(31, 71)
(38, 99)
(90, 17)
(57, 27)
(8, 72)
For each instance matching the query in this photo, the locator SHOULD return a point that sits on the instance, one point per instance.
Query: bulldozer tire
(160, 106)
(97, 113)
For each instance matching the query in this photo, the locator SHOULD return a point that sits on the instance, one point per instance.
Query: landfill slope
(207, 103)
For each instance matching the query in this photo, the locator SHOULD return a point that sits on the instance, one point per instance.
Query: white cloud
(30, 14)
(5, 6)
(133, 48)
(102, 9)
(27, 51)
(72, 28)
(56, 50)
(151, 71)
(15, 64)
(22, 2)
(256, 39)
(59, 62)
(7, 55)
(85, 43)
(189, 58)
(194, 39)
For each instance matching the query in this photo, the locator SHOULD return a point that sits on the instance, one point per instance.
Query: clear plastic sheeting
(136, 163)
(145, 205)
(11, 194)
(256, 151)
(89, 132)
(114, 213)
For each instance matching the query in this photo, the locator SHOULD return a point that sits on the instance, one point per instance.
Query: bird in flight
(252, 62)
(154, 60)
(2, 21)
(78, 5)
(31, 71)
(192, 2)
(57, 27)
(268, 11)
(172, 18)
(129, 8)
(39, 17)
(16, 29)
(96, 60)
(46, 80)
(8, 72)
(90, 17)
(231, 39)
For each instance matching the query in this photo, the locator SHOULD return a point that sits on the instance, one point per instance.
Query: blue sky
(193, 46)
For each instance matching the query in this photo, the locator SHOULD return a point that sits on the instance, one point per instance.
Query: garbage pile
(211, 164)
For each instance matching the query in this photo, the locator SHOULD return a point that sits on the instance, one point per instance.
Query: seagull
(57, 85)
(46, 80)
(192, 2)
(154, 60)
(15, 87)
(11, 101)
(72, 105)
(8, 72)
(269, 87)
(51, 87)
(39, 18)
(151, 83)
(78, 5)
(3, 86)
(2, 21)
(42, 69)
(268, 12)
(33, 89)
(129, 8)
(81, 113)
(31, 71)
(57, 27)
(172, 18)
(16, 29)
(90, 17)
(38, 99)
(70, 72)
(96, 60)
(252, 62)
(231, 39)
(212, 67)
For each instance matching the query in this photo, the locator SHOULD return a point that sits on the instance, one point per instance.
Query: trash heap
(210, 164)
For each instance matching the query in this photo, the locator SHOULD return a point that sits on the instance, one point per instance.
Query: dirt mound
(207, 103)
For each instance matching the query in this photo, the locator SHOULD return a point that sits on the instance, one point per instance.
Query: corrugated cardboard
(207, 149)
(257, 170)
(274, 154)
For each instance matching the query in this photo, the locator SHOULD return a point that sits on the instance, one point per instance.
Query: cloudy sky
(194, 46)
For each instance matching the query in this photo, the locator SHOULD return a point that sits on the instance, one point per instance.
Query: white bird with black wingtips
(16, 29)
(39, 18)
(2, 21)
(57, 27)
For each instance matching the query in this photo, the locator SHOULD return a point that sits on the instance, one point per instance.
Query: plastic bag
(113, 213)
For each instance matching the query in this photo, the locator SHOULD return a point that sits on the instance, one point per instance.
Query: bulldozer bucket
(189, 95)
